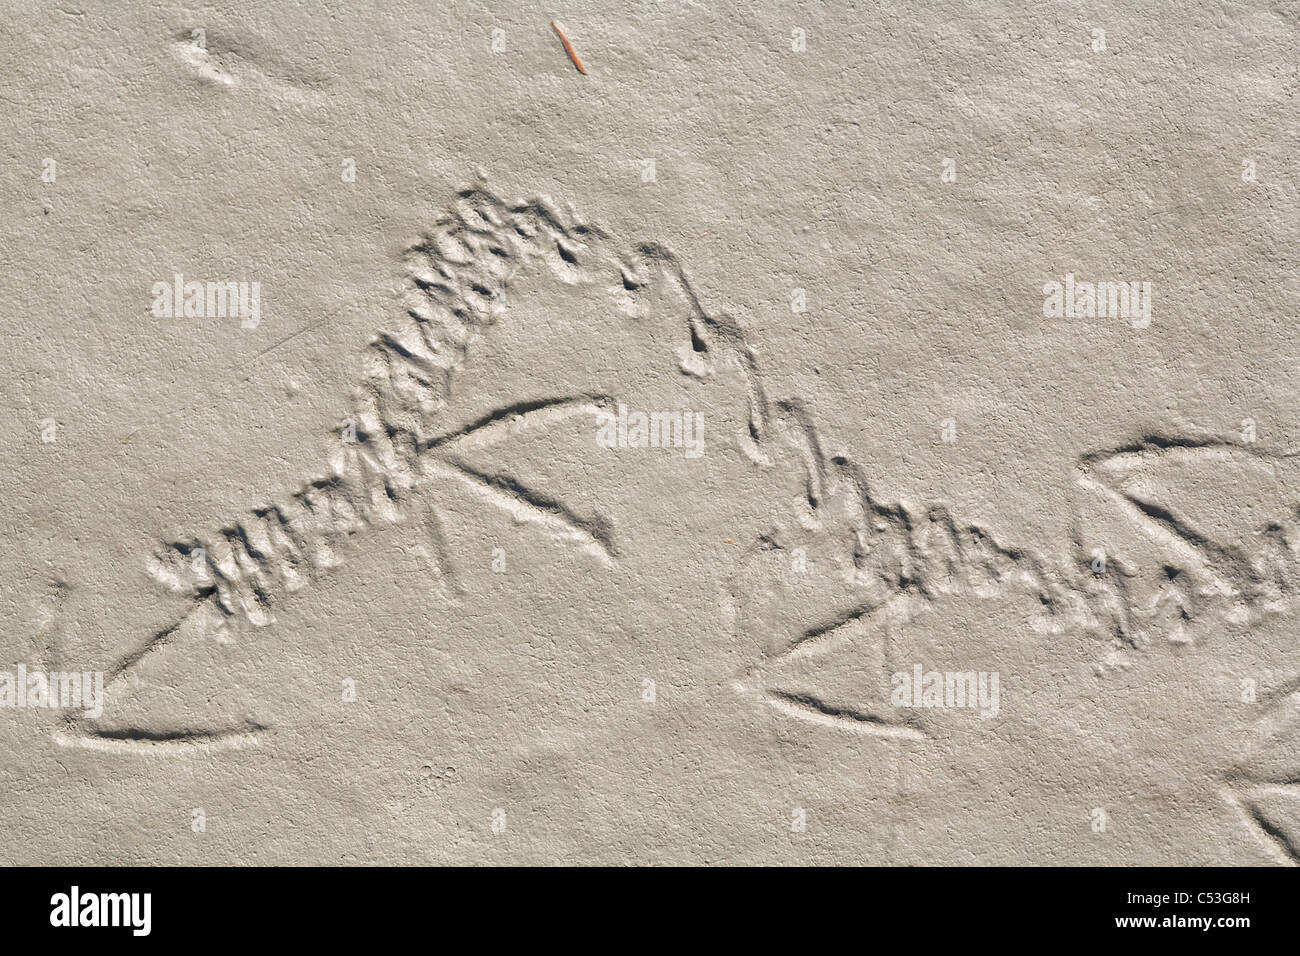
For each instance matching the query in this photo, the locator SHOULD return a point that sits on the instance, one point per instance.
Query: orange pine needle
(568, 48)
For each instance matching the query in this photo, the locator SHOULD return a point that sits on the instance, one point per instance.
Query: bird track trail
(459, 275)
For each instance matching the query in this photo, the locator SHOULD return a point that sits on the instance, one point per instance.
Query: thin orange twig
(568, 47)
